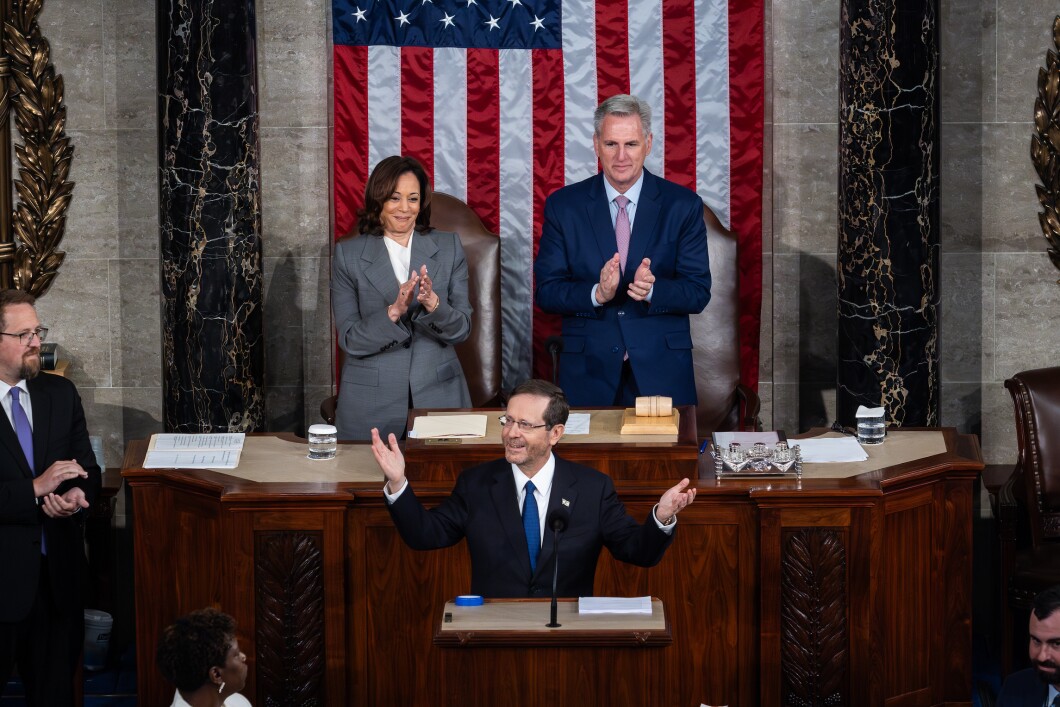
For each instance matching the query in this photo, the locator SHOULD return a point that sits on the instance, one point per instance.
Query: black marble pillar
(212, 345)
(888, 255)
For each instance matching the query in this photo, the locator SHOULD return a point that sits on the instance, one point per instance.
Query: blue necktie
(22, 428)
(531, 525)
(25, 439)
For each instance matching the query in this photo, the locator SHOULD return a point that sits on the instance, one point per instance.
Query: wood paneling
(789, 592)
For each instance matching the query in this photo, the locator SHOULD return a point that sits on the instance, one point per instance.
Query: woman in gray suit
(399, 294)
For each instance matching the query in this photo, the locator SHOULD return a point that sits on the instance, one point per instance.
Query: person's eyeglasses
(523, 424)
(26, 337)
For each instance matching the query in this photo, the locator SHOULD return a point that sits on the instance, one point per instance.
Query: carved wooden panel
(815, 663)
(289, 618)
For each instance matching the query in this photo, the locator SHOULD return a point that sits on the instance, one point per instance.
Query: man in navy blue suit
(1038, 685)
(623, 258)
(501, 507)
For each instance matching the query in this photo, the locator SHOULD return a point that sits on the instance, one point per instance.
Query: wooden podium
(852, 586)
(522, 623)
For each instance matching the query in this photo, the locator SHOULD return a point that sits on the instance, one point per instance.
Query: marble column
(888, 253)
(210, 217)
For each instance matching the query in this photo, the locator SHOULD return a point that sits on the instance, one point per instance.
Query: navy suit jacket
(59, 432)
(1023, 689)
(577, 238)
(484, 509)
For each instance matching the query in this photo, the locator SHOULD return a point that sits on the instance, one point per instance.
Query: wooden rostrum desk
(852, 585)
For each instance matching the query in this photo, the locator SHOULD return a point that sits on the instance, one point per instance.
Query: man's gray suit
(389, 363)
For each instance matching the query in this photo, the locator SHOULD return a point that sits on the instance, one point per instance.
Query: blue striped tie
(531, 525)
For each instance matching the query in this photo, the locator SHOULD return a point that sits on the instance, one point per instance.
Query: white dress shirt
(633, 194)
(400, 257)
(6, 400)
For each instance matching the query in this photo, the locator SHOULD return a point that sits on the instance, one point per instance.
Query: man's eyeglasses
(26, 337)
(523, 424)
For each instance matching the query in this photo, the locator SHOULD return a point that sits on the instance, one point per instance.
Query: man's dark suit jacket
(577, 238)
(1023, 689)
(484, 508)
(59, 432)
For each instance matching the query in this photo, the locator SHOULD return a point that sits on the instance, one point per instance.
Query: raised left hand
(675, 500)
(66, 505)
(427, 296)
(642, 283)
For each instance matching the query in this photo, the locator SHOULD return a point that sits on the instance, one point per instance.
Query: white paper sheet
(210, 459)
(447, 426)
(196, 442)
(577, 423)
(614, 605)
(194, 451)
(830, 449)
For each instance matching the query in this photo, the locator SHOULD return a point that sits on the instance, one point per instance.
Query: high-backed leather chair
(480, 354)
(725, 403)
(1029, 505)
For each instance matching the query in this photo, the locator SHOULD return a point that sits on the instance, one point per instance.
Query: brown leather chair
(725, 403)
(480, 355)
(1029, 506)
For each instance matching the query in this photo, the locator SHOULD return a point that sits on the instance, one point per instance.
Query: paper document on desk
(448, 426)
(194, 451)
(577, 423)
(614, 605)
(830, 449)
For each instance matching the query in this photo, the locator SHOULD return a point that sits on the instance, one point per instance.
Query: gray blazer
(389, 363)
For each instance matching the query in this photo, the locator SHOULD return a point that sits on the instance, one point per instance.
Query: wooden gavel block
(654, 406)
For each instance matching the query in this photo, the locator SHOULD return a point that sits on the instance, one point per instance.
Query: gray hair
(623, 104)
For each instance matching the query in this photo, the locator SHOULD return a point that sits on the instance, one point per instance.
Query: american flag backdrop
(496, 97)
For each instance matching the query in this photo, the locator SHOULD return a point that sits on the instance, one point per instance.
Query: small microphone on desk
(557, 520)
(554, 346)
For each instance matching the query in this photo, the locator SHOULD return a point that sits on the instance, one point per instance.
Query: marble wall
(999, 291)
(103, 308)
(1000, 295)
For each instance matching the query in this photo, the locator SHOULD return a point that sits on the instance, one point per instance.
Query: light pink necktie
(622, 230)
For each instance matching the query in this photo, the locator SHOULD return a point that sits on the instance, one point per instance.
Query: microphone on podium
(554, 346)
(557, 520)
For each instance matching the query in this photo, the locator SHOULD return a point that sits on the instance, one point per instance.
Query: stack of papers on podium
(448, 426)
(194, 451)
(614, 605)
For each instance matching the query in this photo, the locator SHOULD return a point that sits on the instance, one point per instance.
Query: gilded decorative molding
(289, 618)
(1045, 146)
(814, 660)
(35, 92)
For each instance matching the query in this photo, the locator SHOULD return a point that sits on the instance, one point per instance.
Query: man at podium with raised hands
(500, 507)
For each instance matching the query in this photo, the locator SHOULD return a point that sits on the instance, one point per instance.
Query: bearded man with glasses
(48, 475)
(501, 506)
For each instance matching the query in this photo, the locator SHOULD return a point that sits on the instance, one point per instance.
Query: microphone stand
(555, 576)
